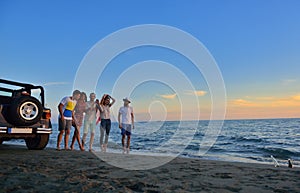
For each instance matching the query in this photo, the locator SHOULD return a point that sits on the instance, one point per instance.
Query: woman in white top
(105, 105)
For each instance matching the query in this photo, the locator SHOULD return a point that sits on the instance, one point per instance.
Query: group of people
(77, 111)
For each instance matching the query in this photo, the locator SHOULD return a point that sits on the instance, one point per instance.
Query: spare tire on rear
(25, 111)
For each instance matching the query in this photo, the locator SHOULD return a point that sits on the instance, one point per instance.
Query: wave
(217, 149)
(278, 152)
(244, 139)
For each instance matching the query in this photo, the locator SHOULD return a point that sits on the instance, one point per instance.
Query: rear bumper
(28, 130)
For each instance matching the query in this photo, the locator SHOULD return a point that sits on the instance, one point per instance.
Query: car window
(2, 93)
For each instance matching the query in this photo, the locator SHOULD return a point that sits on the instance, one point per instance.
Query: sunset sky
(255, 43)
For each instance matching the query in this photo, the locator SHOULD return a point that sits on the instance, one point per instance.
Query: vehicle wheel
(37, 143)
(1, 141)
(25, 111)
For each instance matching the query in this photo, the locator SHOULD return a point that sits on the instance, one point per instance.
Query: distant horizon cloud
(242, 102)
(196, 92)
(168, 96)
(288, 81)
(260, 98)
(296, 97)
(55, 83)
(268, 101)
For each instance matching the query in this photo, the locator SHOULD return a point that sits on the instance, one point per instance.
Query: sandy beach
(74, 171)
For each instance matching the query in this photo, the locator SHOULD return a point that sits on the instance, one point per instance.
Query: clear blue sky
(255, 43)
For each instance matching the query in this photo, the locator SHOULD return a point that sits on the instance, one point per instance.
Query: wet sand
(74, 171)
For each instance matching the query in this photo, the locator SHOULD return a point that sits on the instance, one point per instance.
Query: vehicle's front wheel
(37, 143)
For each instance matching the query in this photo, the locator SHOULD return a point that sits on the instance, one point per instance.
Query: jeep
(23, 116)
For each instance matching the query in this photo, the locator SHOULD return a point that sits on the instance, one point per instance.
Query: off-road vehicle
(23, 116)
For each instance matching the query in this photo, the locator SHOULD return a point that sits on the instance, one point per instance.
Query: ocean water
(251, 141)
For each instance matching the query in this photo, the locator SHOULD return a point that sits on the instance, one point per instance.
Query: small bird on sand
(276, 164)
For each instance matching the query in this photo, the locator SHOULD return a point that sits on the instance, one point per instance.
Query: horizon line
(212, 120)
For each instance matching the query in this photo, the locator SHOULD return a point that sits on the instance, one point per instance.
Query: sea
(250, 141)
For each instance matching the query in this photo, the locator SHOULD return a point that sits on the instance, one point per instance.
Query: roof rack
(25, 87)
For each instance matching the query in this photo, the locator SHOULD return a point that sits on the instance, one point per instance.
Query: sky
(255, 44)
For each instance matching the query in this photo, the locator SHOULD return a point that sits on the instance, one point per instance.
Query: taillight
(47, 114)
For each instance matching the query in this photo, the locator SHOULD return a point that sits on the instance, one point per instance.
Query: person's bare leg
(83, 139)
(73, 139)
(105, 142)
(105, 147)
(107, 131)
(128, 143)
(92, 141)
(78, 139)
(67, 134)
(101, 138)
(123, 143)
(59, 139)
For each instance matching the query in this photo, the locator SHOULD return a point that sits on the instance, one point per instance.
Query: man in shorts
(90, 120)
(127, 123)
(66, 115)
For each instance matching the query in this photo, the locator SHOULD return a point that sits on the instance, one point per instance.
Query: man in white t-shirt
(127, 123)
(90, 121)
(66, 109)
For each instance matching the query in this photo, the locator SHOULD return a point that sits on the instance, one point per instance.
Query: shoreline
(51, 170)
(231, 159)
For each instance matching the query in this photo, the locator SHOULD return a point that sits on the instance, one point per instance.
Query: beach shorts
(64, 125)
(126, 130)
(89, 124)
